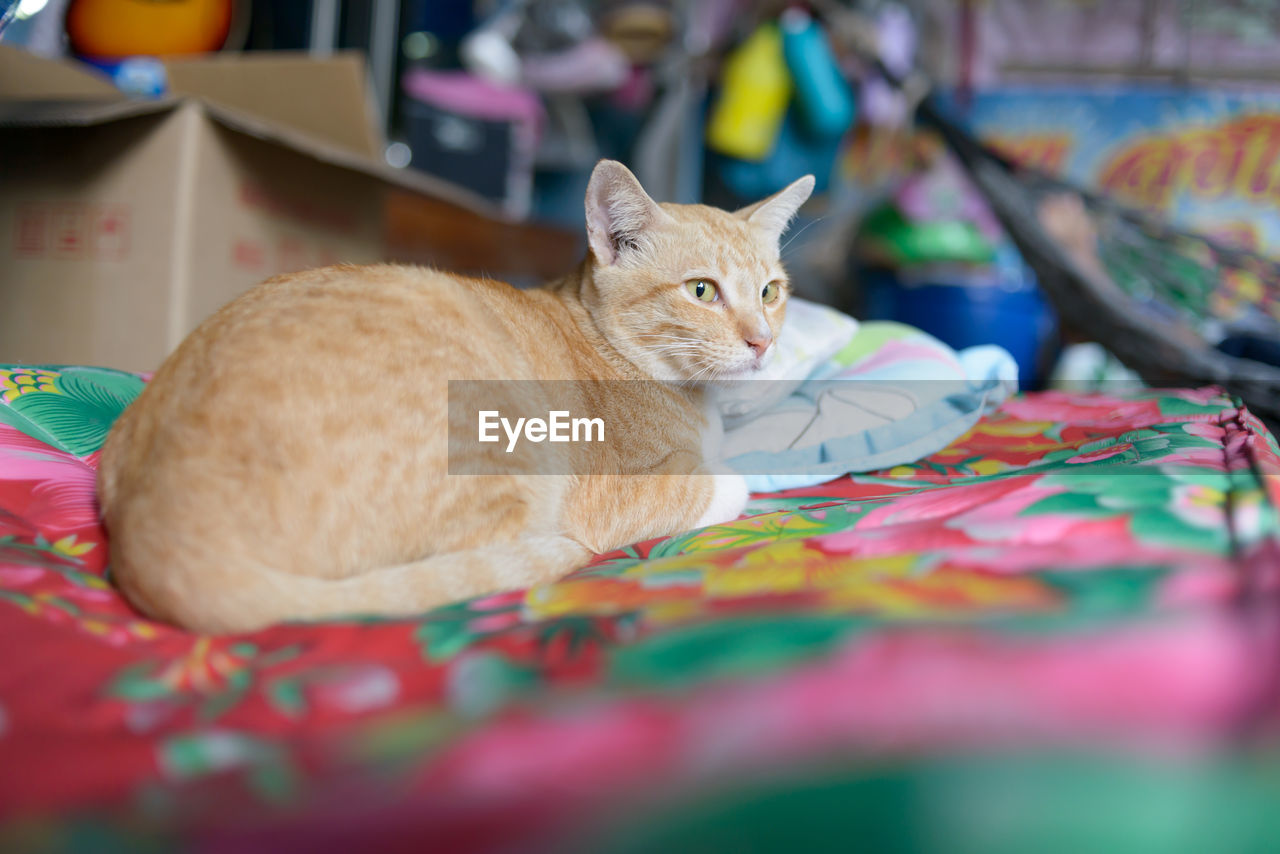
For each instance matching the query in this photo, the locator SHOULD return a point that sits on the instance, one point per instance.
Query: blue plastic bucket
(967, 313)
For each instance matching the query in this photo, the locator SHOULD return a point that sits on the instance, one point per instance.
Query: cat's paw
(728, 500)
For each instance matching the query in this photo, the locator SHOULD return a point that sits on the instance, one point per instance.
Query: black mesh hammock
(1174, 306)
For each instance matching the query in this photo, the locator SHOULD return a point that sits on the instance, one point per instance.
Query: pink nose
(759, 343)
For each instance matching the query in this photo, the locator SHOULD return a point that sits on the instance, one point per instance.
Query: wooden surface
(426, 231)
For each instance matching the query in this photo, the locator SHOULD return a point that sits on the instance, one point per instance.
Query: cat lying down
(289, 461)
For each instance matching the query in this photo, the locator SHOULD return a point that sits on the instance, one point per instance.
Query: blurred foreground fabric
(1057, 634)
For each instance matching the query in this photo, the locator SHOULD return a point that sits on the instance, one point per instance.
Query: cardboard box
(329, 99)
(124, 223)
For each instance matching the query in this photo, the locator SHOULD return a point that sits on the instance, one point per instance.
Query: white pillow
(811, 335)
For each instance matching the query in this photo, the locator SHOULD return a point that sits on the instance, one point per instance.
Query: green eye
(703, 289)
(770, 293)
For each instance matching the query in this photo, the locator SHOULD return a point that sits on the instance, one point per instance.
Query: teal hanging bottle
(825, 99)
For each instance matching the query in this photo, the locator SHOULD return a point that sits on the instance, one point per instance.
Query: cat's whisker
(792, 238)
(704, 372)
(650, 340)
(679, 344)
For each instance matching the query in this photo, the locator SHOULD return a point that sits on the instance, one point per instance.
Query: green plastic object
(886, 236)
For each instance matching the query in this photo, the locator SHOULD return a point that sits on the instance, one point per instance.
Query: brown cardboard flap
(25, 76)
(328, 93)
(324, 98)
(327, 152)
(77, 113)
(32, 114)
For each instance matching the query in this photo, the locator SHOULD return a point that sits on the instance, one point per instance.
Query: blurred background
(1170, 106)
(159, 157)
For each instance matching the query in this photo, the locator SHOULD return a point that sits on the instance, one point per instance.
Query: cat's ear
(619, 211)
(775, 213)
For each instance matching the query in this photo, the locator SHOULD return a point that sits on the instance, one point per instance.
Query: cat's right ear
(619, 212)
(775, 213)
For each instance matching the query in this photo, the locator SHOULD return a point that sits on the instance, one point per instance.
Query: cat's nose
(759, 342)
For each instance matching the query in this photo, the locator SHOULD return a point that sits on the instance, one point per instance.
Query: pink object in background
(636, 92)
(472, 96)
(590, 67)
(475, 132)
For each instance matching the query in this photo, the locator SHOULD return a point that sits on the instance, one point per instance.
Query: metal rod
(382, 54)
(324, 27)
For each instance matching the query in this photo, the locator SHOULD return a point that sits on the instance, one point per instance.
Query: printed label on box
(30, 232)
(110, 233)
(249, 254)
(72, 232)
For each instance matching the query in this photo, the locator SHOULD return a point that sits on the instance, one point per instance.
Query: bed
(1057, 634)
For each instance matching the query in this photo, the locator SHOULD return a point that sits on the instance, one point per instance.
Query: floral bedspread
(1057, 634)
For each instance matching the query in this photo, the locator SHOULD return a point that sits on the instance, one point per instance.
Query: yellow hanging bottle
(755, 88)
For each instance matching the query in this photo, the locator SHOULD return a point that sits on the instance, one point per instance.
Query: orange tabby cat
(289, 460)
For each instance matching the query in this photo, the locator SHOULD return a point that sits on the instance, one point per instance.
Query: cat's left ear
(775, 213)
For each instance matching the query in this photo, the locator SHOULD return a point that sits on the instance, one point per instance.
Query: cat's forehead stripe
(735, 259)
(734, 249)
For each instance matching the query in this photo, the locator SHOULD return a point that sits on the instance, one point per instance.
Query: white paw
(728, 500)
(713, 434)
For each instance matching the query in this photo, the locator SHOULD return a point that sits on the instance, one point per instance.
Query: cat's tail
(255, 597)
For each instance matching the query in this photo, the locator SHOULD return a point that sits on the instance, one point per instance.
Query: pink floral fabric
(1076, 573)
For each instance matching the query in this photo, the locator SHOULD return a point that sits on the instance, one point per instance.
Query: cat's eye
(770, 293)
(703, 289)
